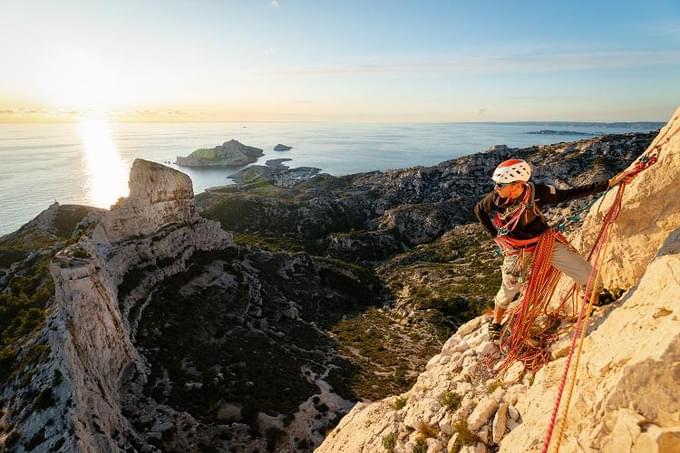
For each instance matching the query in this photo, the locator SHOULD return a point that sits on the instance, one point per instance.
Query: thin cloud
(495, 64)
(275, 4)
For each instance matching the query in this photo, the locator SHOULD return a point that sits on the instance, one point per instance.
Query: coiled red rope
(595, 257)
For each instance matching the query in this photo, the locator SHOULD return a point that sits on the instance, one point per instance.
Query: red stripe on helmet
(509, 163)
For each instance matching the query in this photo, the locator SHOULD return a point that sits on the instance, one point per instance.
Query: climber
(519, 223)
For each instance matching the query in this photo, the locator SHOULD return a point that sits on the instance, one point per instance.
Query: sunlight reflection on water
(106, 173)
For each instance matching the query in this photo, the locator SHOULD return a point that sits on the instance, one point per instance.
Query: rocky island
(281, 147)
(268, 317)
(230, 154)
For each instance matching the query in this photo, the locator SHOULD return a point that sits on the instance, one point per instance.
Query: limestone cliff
(626, 392)
(88, 339)
(162, 334)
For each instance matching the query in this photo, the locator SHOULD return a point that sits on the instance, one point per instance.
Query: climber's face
(510, 190)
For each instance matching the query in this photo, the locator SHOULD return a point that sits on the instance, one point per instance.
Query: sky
(319, 60)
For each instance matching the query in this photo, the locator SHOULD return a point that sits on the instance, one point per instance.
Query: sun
(79, 79)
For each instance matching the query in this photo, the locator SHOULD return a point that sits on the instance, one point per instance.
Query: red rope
(595, 254)
(595, 257)
(542, 281)
(528, 341)
(532, 348)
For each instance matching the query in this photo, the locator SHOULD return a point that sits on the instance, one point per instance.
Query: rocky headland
(564, 132)
(230, 154)
(274, 172)
(253, 318)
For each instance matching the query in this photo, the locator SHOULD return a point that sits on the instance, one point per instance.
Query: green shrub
(450, 400)
(22, 324)
(273, 435)
(44, 400)
(399, 402)
(36, 440)
(492, 386)
(420, 447)
(465, 436)
(80, 253)
(399, 377)
(389, 442)
(12, 438)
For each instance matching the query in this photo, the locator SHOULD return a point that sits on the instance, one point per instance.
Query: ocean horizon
(88, 163)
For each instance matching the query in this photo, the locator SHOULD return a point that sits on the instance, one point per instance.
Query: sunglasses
(500, 185)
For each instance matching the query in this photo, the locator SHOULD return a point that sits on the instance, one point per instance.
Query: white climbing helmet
(512, 170)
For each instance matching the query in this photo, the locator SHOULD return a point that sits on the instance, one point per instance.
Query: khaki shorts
(515, 270)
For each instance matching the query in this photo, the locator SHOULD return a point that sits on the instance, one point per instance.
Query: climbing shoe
(606, 296)
(494, 331)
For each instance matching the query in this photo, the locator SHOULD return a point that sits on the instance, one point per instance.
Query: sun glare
(105, 170)
(79, 79)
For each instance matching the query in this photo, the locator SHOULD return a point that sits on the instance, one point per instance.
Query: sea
(88, 162)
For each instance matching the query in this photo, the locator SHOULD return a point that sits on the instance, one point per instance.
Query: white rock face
(650, 210)
(627, 392)
(159, 197)
(89, 335)
(499, 420)
(481, 414)
(628, 370)
(514, 373)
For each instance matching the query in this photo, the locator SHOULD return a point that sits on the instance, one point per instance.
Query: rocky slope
(150, 328)
(410, 206)
(387, 221)
(627, 386)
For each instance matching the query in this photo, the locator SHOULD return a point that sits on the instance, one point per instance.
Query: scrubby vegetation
(378, 347)
(22, 310)
(457, 275)
(450, 400)
(400, 402)
(252, 210)
(389, 441)
(277, 244)
(219, 345)
(465, 436)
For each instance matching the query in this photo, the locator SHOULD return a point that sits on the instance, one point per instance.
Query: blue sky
(340, 61)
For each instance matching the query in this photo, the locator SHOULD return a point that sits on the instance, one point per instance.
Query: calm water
(88, 163)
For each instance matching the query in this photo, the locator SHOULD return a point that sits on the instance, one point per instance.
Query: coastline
(52, 164)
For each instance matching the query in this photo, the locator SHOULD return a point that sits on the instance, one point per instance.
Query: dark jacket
(530, 224)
